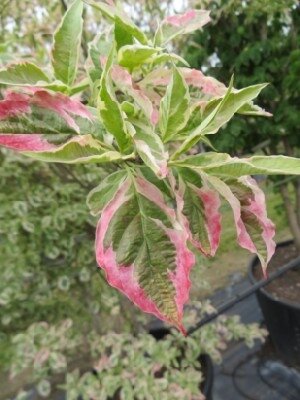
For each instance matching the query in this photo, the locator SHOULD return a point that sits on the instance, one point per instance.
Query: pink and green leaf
(38, 111)
(72, 150)
(123, 80)
(255, 231)
(52, 127)
(181, 24)
(207, 84)
(198, 210)
(105, 192)
(144, 251)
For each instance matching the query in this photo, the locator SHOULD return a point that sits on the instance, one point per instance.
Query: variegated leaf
(207, 84)
(100, 47)
(198, 210)
(123, 80)
(218, 114)
(174, 107)
(143, 250)
(36, 111)
(70, 150)
(163, 58)
(104, 193)
(23, 74)
(255, 231)
(222, 164)
(52, 127)
(181, 24)
(151, 150)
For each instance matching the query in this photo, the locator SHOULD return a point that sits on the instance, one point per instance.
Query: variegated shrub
(147, 113)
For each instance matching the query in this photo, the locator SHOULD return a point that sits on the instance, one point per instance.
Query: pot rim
(253, 280)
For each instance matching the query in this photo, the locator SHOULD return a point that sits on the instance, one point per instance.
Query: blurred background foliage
(57, 313)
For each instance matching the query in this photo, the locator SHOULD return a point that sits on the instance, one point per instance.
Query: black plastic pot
(206, 387)
(282, 319)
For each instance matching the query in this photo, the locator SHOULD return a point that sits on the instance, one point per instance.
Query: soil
(287, 286)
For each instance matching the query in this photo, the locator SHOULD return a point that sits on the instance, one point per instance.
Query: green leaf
(66, 47)
(23, 73)
(143, 250)
(122, 36)
(110, 110)
(222, 164)
(174, 107)
(134, 55)
(104, 193)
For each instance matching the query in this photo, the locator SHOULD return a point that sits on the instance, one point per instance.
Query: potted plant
(272, 54)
